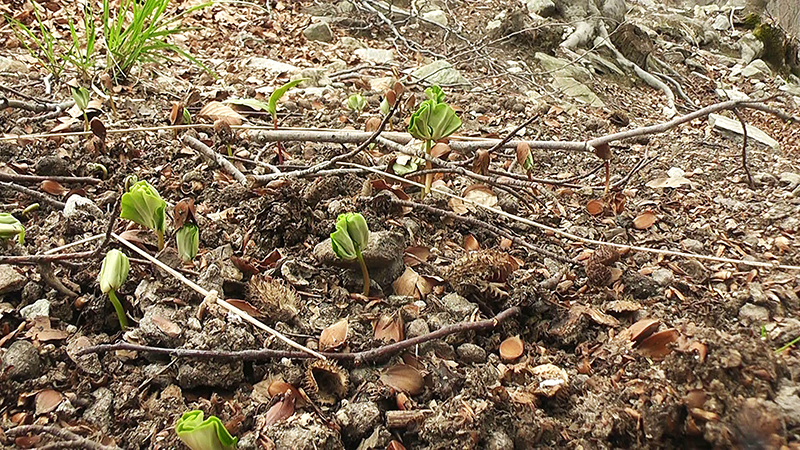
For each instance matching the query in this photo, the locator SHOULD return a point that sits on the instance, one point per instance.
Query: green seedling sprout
(272, 107)
(188, 240)
(143, 205)
(350, 239)
(10, 228)
(113, 274)
(434, 120)
(81, 96)
(199, 434)
(356, 102)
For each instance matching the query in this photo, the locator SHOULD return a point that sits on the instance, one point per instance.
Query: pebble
(99, 412)
(417, 328)
(751, 314)
(40, 308)
(470, 353)
(319, 31)
(21, 361)
(457, 305)
(10, 279)
(788, 400)
(357, 419)
(692, 245)
(663, 276)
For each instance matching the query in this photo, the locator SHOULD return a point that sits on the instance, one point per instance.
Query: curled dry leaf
(595, 207)
(281, 410)
(167, 326)
(176, 114)
(216, 111)
(480, 163)
(642, 329)
(695, 398)
(334, 336)
(413, 255)
(658, 345)
(52, 187)
(480, 194)
(403, 377)
(47, 401)
(440, 149)
(411, 284)
(391, 97)
(390, 328)
(394, 445)
(644, 220)
(524, 157)
(398, 88)
(245, 306)
(603, 151)
(184, 212)
(511, 348)
(471, 244)
(372, 124)
(98, 128)
(505, 243)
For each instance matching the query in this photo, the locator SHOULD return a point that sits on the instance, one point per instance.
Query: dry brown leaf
(645, 220)
(480, 194)
(389, 328)
(411, 284)
(505, 243)
(219, 111)
(52, 187)
(372, 124)
(334, 336)
(281, 410)
(511, 348)
(480, 164)
(603, 151)
(98, 128)
(440, 149)
(245, 306)
(471, 244)
(458, 206)
(595, 207)
(167, 326)
(176, 114)
(419, 254)
(47, 401)
(403, 378)
(658, 345)
(394, 445)
(642, 329)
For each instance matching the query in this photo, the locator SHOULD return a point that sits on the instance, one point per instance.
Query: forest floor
(672, 351)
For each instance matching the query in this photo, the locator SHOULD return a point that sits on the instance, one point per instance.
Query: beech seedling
(188, 240)
(10, 228)
(142, 204)
(113, 274)
(350, 239)
(432, 121)
(357, 103)
(199, 434)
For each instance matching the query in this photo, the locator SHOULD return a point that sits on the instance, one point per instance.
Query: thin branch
(59, 433)
(38, 179)
(38, 196)
(356, 358)
(744, 148)
(206, 151)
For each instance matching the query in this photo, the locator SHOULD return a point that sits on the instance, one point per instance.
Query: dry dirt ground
(674, 352)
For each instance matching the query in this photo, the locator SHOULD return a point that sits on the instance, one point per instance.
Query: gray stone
(725, 124)
(21, 361)
(692, 245)
(788, 400)
(757, 69)
(663, 276)
(558, 67)
(10, 279)
(751, 47)
(751, 314)
(790, 180)
(12, 65)
(378, 440)
(350, 44)
(39, 308)
(694, 268)
(357, 419)
(470, 353)
(577, 90)
(270, 65)
(757, 295)
(499, 440)
(543, 8)
(458, 306)
(383, 248)
(785, 331)
(438, 72)
(314, 78)
(721, 23)
(99, 412)
(375, 55)
(417, 327)
(304, 432)
(319, 31)
(436, 16)
(76, 205)
(765, 179)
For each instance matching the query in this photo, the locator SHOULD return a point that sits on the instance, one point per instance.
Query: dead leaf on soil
(458, 206)
(334, 336)
(403, 378)
(167, 326)
(389, 328)
(512, 348)
(595, 207)
(52, 187)
(419, 254)
(644, 220)
(658, 345)
(245, 306)
(281, 410)
(471, 244)
(480, 164)
(480, 194)
(440, 149)
(394, 445)
(675, 179)
(641, 329)
(411, 284)
(218, 111)
(47, 401)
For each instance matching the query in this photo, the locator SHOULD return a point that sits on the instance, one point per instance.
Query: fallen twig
(41, 198)
(356, 358)
(59, 433)
(744, 148)
(39, 179)
(219, 159)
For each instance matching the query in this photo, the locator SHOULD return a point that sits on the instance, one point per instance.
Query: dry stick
(356, 358)
(35, 194)
(261, 180)
(584, 240)
(39, 179)
(59, 433)
(744, 148)
(36, 107)
(209, 153)
(208, 295)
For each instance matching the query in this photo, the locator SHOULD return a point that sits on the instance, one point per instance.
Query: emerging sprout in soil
(434, 120)
(143, 205)
(81, 96)
(356, 102)
(10, 227)
(113, 274)
(203, 435)
(272, 107)
(350, 239)
(188, 239)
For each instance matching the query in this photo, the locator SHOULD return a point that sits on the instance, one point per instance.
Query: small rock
(663, 276)
(751, 314)
(21, 361)
(757, 69)
(416, 328)
(52, 165)
(357, 419)
(77, 204)
(499, 440)
(757, 295)
(304, 432)
(788, 400)
(99, 412)
(458, 306)
(270, 65)
(789, 179)
(765, 178)
(350, 44)
(721, 23)
(751, 47)
(436, 16)
(471, 353)
(314, 78)
(692, 245)
(694, 268)
(40, 308)
(11, 65)
(10, 279)
(639, 286)
(577, 90)
(375, 55)
(439, 72)
(319, 31)
(378, 440)
(543, 8)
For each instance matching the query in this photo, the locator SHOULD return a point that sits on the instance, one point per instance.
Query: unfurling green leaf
(435, 93)
(351, 236)
(356, 102)
(385, 106)
(188, 240)
(143, 205)
(81, 96)
(433, 120)
(114, 271)
(272, 107)
(11, 227)
(203, 435)
(342, 245)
